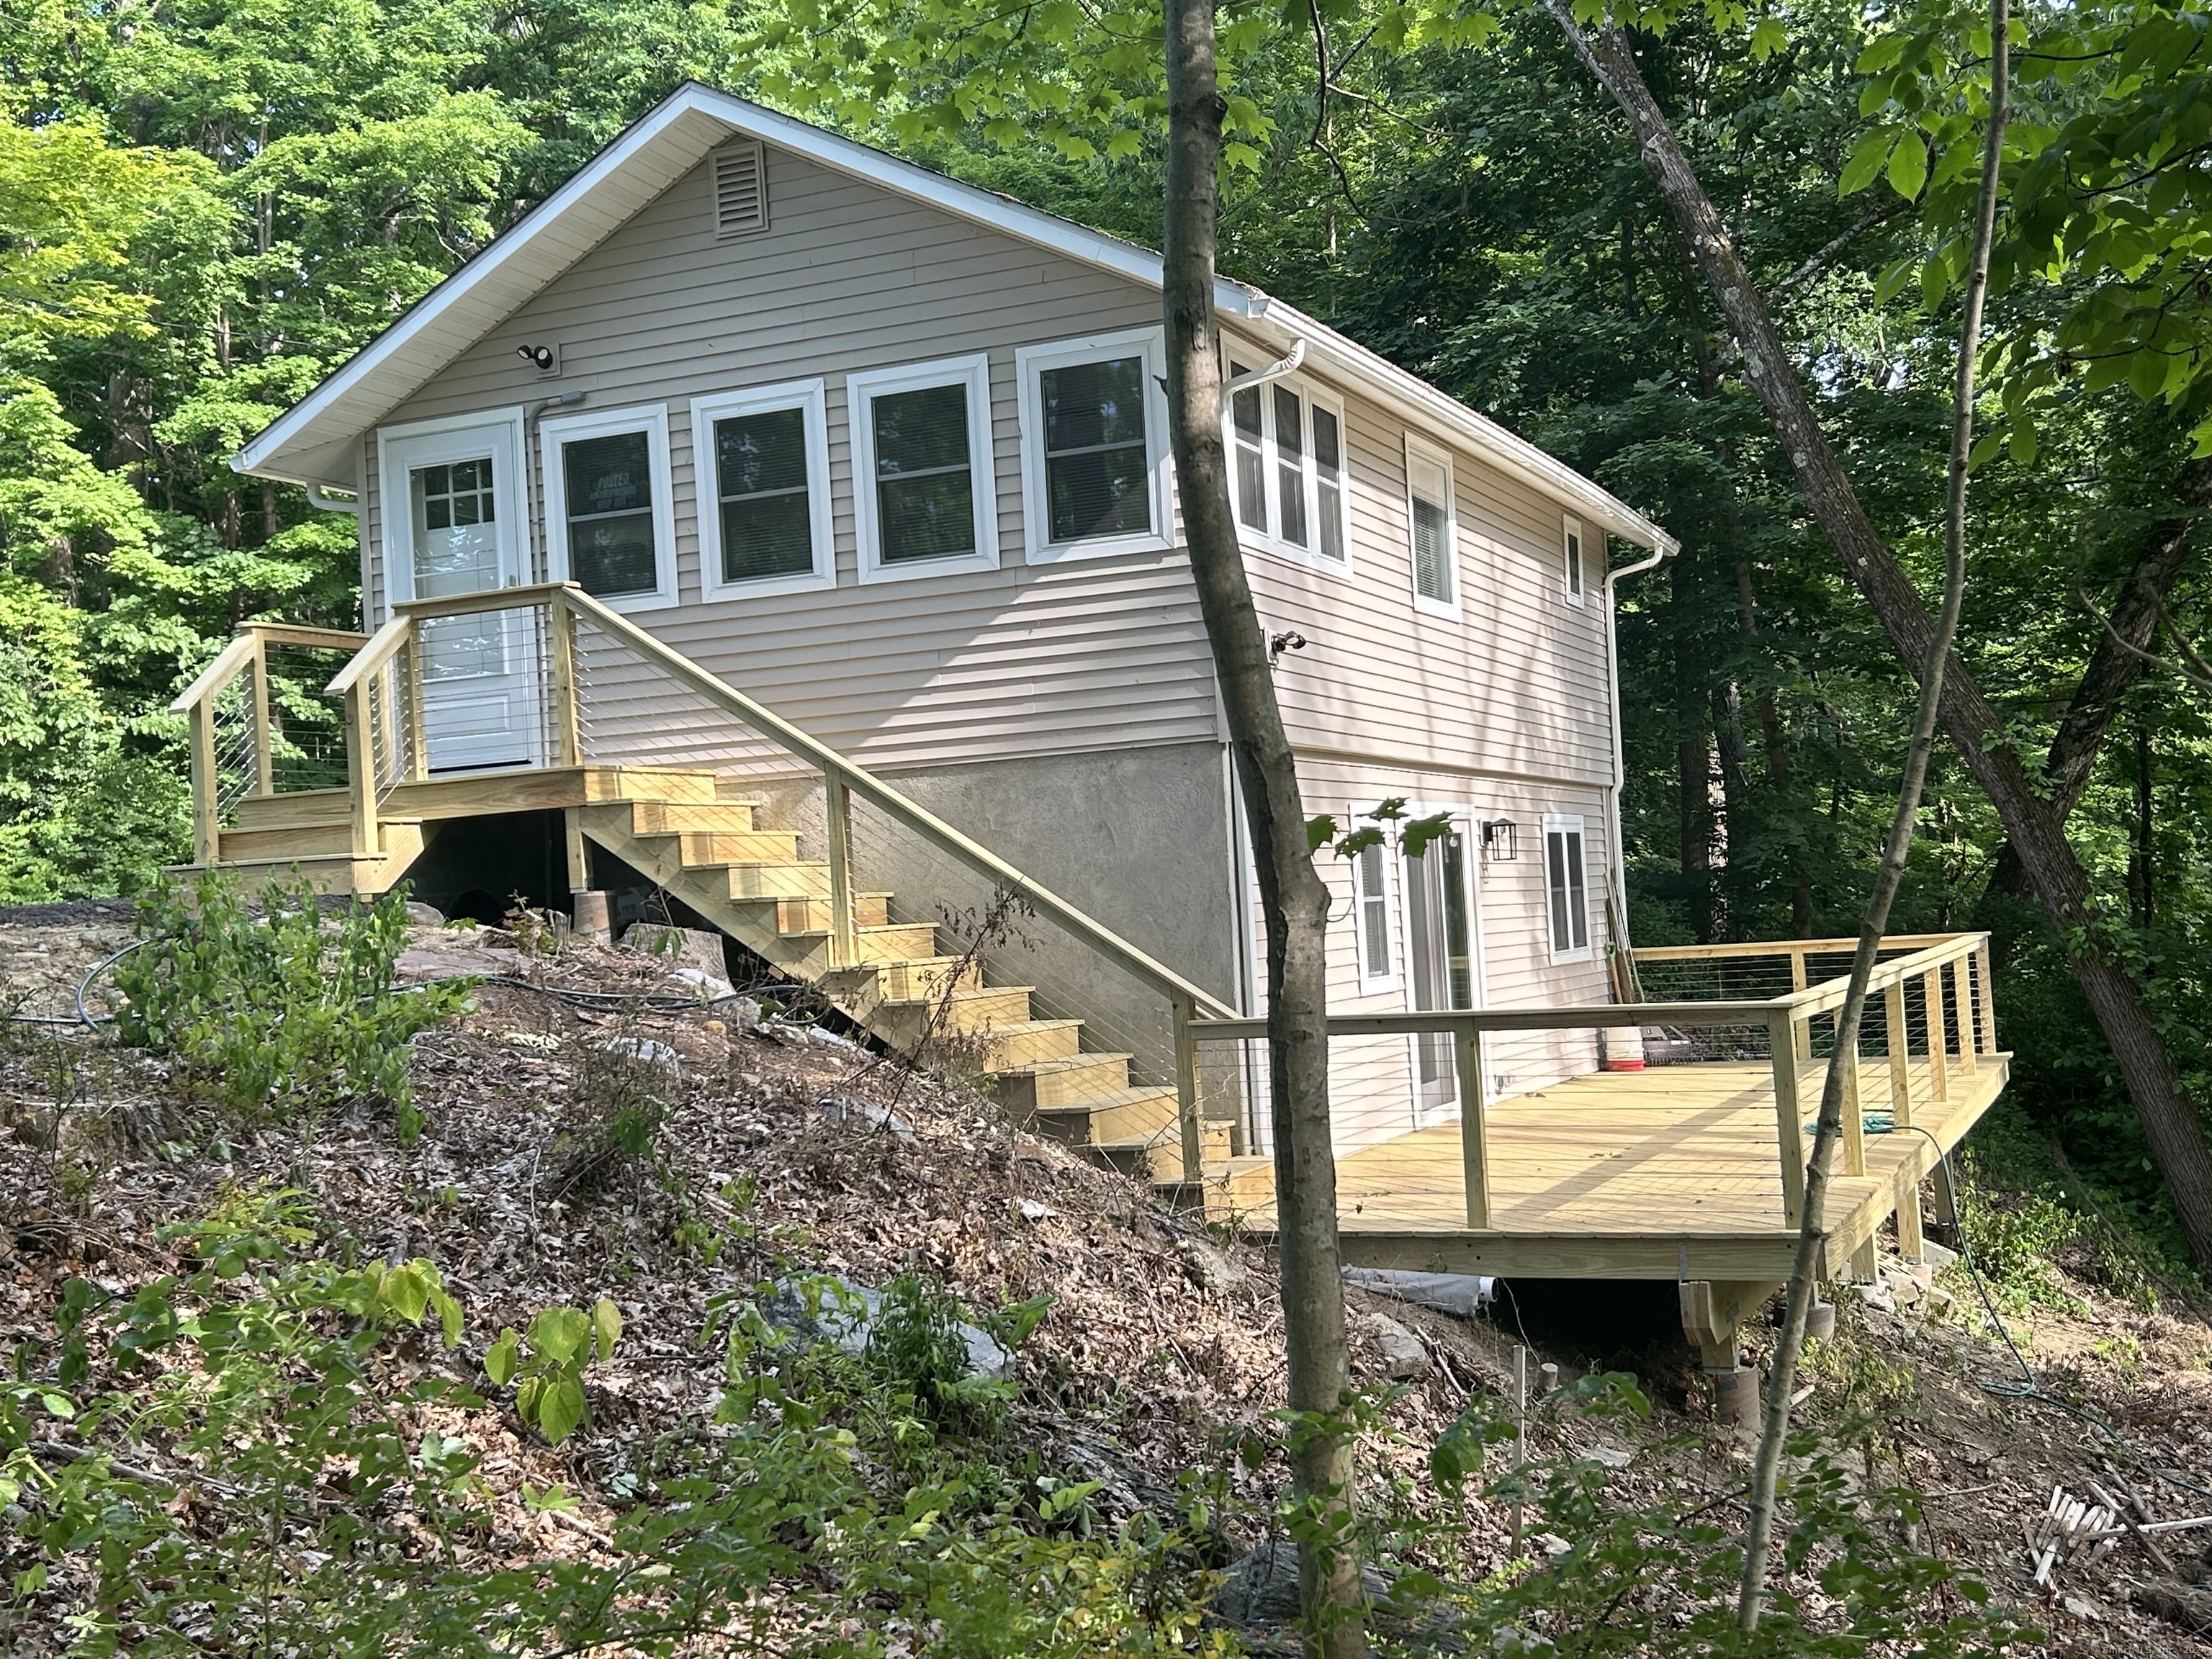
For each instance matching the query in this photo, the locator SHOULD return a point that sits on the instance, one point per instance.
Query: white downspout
(1616, 850)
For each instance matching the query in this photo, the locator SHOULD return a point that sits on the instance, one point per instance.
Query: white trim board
(314, 441)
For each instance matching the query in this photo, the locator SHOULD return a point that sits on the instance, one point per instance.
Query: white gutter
(1615, 841)
(318, 496)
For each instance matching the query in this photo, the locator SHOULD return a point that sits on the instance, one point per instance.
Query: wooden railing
(1787, 1021)
(246, 654)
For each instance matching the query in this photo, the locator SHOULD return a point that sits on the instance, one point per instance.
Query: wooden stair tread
(1070, 1063)
(1091, 1105)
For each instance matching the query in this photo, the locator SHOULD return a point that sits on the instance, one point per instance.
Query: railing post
(418, 739)
(844, 937)
(1989, 998)
(207, 829)
(264, 762)
(361, 770)
(1781, 1040)
(1939, 1041)
(1474, 1127)
(1798, 982)
(1186, 1116)
(1854, 1113)
(566, 747)
(1900, 1058)
(1962, 986)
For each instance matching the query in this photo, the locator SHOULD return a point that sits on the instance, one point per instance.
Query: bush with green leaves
(547, 1365)
(281, 1009)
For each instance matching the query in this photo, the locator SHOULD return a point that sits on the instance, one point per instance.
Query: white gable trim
(678, 133)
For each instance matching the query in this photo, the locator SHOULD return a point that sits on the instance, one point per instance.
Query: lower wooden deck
(1666, 1173)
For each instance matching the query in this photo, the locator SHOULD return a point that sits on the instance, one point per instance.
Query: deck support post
(580, 855)
(1939, 1040)
(361, 770)
(844, 937)
(264, 762)
(1782, 1027)
(1962, 988)
(561, 624)
(1186, 1114)
(1797, 979)
(1473, 1152)
(1714, 1310)
(207, 827)
(1989, 998)
(1947, 1196)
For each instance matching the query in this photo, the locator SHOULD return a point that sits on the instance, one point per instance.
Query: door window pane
(608, 492)
(1289, 464)
(925, 488)
(1095, 478)
(760, 470)
(456, 548)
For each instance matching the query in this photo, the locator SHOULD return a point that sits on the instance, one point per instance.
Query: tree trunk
(1294, 899)
(2170, 1123)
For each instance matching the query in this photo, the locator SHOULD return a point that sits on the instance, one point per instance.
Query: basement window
(1094, 447)
(1567, 882)
(609, 523)
(924, 486)
(764, 453)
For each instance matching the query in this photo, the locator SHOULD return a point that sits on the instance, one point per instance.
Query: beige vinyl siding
(1372, 1083)
(1516, 684)
(970, 665)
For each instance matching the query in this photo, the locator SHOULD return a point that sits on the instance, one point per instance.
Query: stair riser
(738, 847)
(1162, 1161)
(1073, 1087)
(862, 991)
(765, 881)
(903, 1023)
(812, 914)
(1000, 1050)
(262, 846)
(1135, 1120)
(809, 953)
(656, 818)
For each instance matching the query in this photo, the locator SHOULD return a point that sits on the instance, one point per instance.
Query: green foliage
(547, 1365)
(282, 1012)
(915, 1345)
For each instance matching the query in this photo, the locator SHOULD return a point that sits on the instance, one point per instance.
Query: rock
(711, 987)
(425, 916)
(1033, 1211)
(838, 1311)
(1935, 1256)
(544, 1043)
(2180, 1604)
(1877, 1294)
(645, 1050)
(1260, 1588)
(1461, 1295)
(844, 1108)
(1612, 1457)
(1404, 1357)
(1211, 1269)
(680, 947)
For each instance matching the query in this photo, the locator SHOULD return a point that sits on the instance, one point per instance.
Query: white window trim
(652, 419)
(1029, 362)
(1564, 823)
(811, 399)
(1389, 978)
(975, 372)
(1449, 609)
(1574, 572)
(396, 451)
(1270, 542)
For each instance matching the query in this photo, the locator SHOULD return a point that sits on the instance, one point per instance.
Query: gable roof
(313, 442)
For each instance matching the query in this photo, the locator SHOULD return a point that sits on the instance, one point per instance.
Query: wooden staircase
(751, 882)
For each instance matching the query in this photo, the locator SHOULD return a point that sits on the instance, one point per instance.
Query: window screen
(1570, 892)
(1251, 455)
(760, 472)
(925, 486)
(1291, 462)
(1097, 481)
(1328, 482)
(1430, 488)
(608, 494)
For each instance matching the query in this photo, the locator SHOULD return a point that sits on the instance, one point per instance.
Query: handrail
(1830, 993)
(229, 663)
(1783, 947)
(379, 649)
(315, 639)
(1591, 1016)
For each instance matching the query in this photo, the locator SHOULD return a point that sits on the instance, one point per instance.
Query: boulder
(678, 947)
(1404, 1357)
(838, 1311)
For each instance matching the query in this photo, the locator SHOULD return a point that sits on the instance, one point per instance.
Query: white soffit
(315, 440)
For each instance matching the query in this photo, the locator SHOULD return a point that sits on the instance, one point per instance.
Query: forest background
(205, 206)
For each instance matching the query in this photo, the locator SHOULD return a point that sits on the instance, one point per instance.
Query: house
(863, 475)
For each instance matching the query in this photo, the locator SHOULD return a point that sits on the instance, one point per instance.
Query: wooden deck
(1666, 1173)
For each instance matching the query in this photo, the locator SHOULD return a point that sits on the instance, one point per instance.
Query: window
(1287, 441)
(762, 461)
(1568, 884)
(1429, 513)
(1371, 909)
(1573, 555)
(609, 523)
(1094, 447)
(924, 490)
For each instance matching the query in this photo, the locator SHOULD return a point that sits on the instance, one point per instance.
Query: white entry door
(1440, 960)
(460, 488)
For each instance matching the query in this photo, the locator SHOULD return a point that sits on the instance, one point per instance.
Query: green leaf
(499, 1359)
(1767, 38)
(1414, 840)
(406, 1292)
(561, 1408)
(1908, 165)
(1359, 841)
(559, 1334)
(1866, 160)
(1320, 831)
(606, 1328)
(449, 1316)
(2022, 441)
(58, 1404)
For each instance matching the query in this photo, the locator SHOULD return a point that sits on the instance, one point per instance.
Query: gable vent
(740, 189)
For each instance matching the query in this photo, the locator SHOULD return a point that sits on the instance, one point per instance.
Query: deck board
(1672, 1170)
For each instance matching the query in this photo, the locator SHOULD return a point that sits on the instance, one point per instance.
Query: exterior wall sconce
(545, 359)
(1497, 840)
